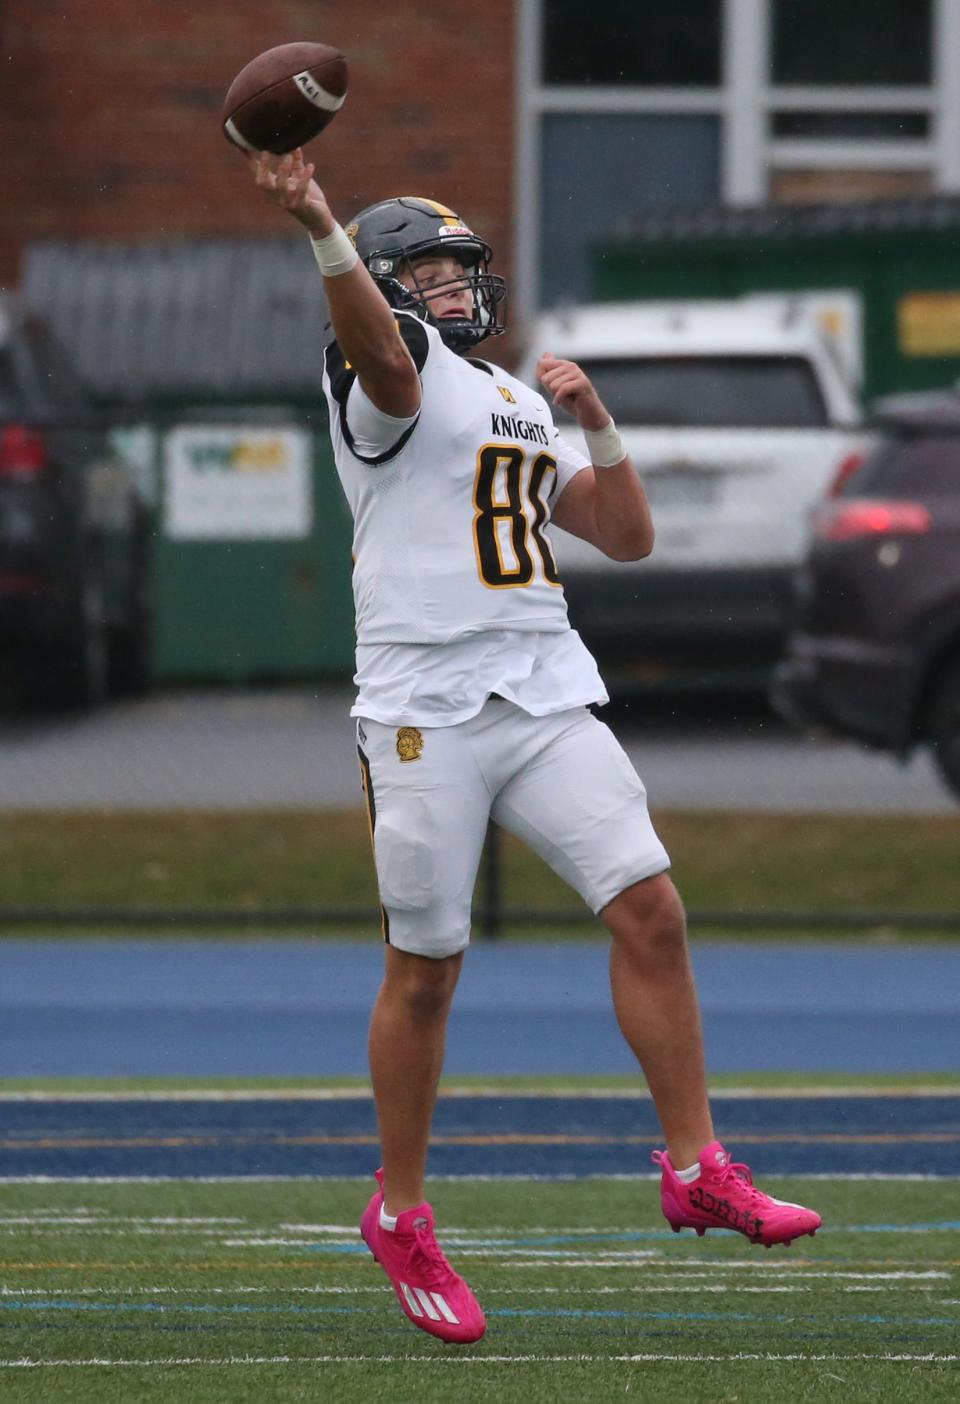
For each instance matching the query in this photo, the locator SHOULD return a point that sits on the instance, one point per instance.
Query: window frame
(743, 102)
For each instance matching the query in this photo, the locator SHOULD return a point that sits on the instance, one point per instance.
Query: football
(284, 97)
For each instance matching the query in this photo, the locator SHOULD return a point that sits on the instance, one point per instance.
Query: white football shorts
(561, 782)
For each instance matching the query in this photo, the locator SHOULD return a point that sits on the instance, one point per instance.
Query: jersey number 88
(510, 511)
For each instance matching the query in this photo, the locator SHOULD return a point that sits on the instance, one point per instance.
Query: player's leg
(655, 1001)
(581, 805)
(428, 810)
(656, 1005)
(428, 807)
(407, 1038)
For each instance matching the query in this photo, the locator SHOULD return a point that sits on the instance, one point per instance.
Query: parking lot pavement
(784, 775)
(294, 748)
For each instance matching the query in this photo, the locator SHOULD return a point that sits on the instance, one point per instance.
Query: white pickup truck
(737, 415)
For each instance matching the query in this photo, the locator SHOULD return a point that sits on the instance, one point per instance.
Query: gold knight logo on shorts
(409, 743)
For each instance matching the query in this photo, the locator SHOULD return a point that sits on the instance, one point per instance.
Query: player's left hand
(572, 390)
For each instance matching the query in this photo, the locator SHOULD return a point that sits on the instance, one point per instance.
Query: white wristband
(334, 253)
(605, 446)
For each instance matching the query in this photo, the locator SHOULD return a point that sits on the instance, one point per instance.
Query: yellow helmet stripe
(449, 217)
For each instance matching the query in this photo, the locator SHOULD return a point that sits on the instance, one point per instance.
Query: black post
(491, 918)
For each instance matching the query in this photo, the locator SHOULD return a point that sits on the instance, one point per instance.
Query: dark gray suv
(875, 649)
(74, 530)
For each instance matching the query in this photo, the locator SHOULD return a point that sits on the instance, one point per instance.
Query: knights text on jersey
(450, 522)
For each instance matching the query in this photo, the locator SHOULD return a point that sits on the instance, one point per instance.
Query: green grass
(281, 859)
(114, 1272)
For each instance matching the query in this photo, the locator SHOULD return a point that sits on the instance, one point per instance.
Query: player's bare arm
(364, 325)
(606, 506)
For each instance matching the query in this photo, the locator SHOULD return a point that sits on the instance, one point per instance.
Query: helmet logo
(351, 233)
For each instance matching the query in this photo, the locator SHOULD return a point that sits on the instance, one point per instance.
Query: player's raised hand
(288, 182)
(572, 389)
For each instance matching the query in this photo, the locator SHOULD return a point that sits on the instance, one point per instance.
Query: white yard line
(120, 1292)
(26, 1363)
(99, 1218)
(652, 1290)
(866, 1284)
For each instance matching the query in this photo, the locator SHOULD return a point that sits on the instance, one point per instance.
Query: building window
(632, 43)
(856, 126)
(625, 165)
(854, 42)
(634, 105)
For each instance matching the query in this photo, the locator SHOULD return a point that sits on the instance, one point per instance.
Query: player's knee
(424, 985)
(648, 919)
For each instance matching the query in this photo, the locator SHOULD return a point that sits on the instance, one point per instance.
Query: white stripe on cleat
(427, 1303)
(441, 1303)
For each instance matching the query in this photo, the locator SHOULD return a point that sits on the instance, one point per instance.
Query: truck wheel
(944, 725)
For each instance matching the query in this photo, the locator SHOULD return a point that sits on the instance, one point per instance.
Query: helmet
(391, 233)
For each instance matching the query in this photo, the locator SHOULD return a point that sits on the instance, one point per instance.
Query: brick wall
(109, 115)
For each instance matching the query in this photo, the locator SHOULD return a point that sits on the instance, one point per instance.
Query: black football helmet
(394, 232)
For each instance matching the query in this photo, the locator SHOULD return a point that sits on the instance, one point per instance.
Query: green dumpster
(251, 571)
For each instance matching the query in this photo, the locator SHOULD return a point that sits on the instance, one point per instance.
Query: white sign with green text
(226, 483)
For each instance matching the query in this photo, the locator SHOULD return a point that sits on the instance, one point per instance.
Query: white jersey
(456, 588)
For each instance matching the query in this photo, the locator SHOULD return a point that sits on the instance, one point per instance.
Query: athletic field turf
(238, 1289)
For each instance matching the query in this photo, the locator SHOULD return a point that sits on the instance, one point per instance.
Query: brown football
(284, 97)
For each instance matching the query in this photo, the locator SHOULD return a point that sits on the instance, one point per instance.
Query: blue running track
(300, 1008)
(473, 1135)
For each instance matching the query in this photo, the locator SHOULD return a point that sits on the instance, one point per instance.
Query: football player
(473, 697)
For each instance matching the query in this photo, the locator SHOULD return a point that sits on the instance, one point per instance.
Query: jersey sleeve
(569, 460)
(375, 437)
(372, 436)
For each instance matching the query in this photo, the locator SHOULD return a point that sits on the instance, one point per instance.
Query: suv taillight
(850, 465)
(845, 520)
(22, 451)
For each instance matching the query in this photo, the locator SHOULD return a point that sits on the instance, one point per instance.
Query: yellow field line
(890, 1138)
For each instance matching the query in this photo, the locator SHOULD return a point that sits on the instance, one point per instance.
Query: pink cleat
(433, 1296)
(724, 1197)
